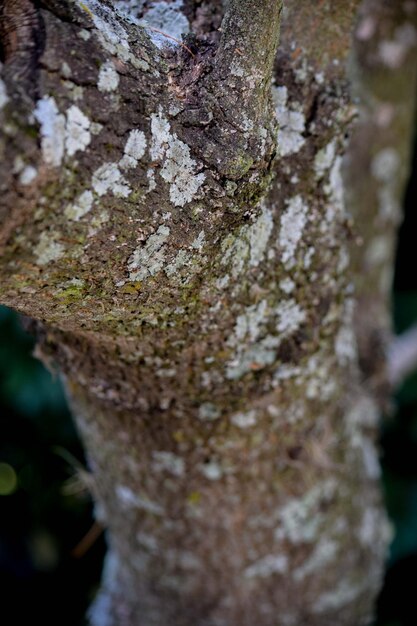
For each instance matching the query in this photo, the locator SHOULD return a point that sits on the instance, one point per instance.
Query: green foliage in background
(45, 508)
(400, 442)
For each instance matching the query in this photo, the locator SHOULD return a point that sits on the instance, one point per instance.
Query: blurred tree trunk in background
(213, 287)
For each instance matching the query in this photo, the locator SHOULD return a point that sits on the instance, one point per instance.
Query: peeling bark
(212, 287)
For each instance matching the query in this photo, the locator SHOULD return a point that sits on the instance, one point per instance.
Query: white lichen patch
(80, 207)
(130, 9)
(73, 286)
(345, 342)
(308, 257)
(168, 462)
(345, 345)
(160, 129)
(244, 420)
(77, 131)
(236, 69)
(84, 34)
(375, 530)
(178, 168)
(150, 174)
(28, 175)
(108, 78)
(258, 236)
(182, 259)
(293, 221)
(167, 372)
(245, 123)
(344, 593)
(366, 28)
(211, 470)
(289, 317)
(96, 128)
(385, 168)
(379, 251)
(223, 281)
(131, 500)
(324, 159)
(370, 458)
(385, 164)
(97, 222)
(325, 551)
(61, 134)
(168, 18)
(4, 98)
(363, 415)
(52, 130)
(74, 282)
(198, 242)
(249, 324)
(389, 202)
(208, 412)
(302, 71)
(393, 52)
(66, 70)
(260, 355)
(249, 244)
(285, 372)
(267, 566)
(18, 164)
(344, 259)
(108, 178)
(112, 34)
(291, 124)
(300, 519)
(335, 191)
(250, 328)
(328, 166)
(134, 149)
(48, 248)
(148, 260)
(287, 285)
(321, 381)
(235, 254)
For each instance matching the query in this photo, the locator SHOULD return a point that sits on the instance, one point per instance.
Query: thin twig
(161, 32)
(87, 541)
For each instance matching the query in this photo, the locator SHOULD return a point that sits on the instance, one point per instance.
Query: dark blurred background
(49, 561)
(50, 552)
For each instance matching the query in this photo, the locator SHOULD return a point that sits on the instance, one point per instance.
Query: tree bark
(213, 287)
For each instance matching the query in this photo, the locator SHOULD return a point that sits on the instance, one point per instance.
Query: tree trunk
(213, 288)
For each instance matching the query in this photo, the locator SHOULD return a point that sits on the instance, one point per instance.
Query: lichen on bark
(210, 281)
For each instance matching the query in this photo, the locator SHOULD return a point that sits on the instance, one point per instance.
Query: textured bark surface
(211, 280)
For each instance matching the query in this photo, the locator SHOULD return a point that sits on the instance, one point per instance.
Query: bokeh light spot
(8, 479)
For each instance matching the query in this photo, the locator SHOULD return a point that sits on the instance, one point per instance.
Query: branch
(402, 356)
(235, 94)
(250, 35)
